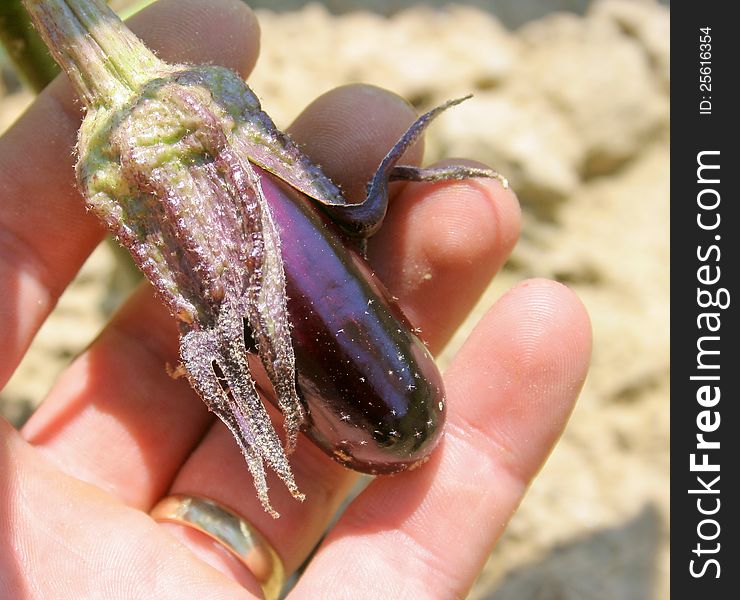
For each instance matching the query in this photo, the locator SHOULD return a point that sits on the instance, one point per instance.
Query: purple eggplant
(374, 396)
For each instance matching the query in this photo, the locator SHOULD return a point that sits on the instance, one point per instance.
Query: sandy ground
(575, 111)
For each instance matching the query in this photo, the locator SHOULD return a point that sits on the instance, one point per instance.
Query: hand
(116, 434)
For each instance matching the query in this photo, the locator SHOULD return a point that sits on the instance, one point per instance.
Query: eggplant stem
(446, 173)
(363, 220)
(104, 60)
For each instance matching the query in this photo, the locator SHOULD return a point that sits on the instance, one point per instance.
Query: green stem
(104, 60)
(24, 46)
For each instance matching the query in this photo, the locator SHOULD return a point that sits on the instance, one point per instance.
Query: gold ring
(240, 538)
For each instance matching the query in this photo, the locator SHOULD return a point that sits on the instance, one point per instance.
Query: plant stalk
(105, 62)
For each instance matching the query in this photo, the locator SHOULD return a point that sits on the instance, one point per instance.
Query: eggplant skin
(373, 393)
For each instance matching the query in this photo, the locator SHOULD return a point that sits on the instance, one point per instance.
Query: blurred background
(572, 104)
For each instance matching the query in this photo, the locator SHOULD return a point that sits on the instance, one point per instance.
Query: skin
(116, 434)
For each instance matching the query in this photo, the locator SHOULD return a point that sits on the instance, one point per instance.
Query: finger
(63, 538)
(115, 418)
(348, 131)
(426, 533)
(216, 468)
(445, 241)
(45, 234)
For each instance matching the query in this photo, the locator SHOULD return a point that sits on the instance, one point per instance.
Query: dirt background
(574, 109)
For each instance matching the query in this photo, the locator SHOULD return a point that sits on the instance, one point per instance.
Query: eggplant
(250, 246)
(374, 396)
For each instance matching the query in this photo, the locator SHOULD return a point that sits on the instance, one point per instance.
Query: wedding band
(240, 538)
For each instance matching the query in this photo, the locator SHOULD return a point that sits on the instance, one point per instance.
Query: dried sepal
(217, 367)
(189, 207)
